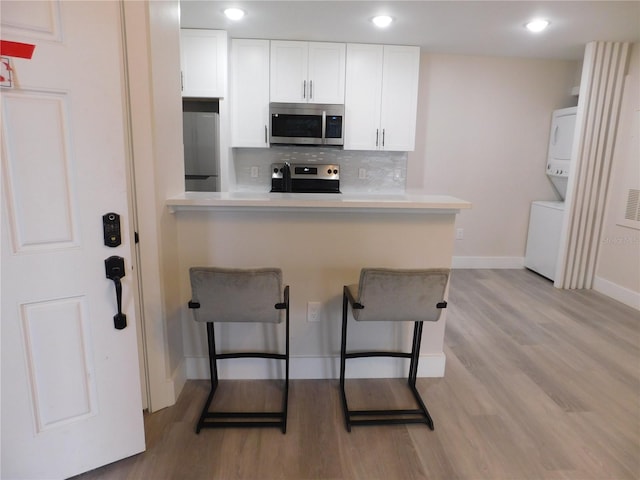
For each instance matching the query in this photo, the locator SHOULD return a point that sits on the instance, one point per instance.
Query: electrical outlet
(313, 311)
(254, 172)
(362, 173)
(459, 233)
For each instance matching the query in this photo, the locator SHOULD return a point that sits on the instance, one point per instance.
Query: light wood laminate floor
(540, 384)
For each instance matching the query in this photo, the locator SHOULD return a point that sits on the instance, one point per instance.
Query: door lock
(111, 229)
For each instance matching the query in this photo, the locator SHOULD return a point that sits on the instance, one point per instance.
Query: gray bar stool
(240, 295)
(392, 295)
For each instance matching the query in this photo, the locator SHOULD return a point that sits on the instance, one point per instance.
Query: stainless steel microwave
(306, 124)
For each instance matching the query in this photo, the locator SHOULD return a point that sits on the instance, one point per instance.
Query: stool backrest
(401, 295)
(236, 295)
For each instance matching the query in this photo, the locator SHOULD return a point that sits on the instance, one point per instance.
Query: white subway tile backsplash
(384, 172)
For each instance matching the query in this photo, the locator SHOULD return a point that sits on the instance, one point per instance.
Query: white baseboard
(315, 368)
(179, 378)
(488, 262)
(615, 291)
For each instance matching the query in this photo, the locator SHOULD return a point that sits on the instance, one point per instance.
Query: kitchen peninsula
(320, 241)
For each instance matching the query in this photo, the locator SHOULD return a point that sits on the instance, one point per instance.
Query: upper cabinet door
(363, 93)
(249, 91)
(400, 75)
(381, 97)
(203, 61)
(326, 74)
(289, 71)
(307, 72)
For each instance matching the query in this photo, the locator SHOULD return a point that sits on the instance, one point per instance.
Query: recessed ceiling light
(382, 21)
(234, 13)
(537, 25)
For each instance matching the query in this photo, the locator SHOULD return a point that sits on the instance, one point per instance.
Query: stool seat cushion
(236, 295)
(399, 294)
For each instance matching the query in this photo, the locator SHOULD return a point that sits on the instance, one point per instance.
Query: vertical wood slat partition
(605, 64)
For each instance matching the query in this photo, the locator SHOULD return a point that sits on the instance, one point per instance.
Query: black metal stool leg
(213, 371)
(285, 400)
(413, 372)
(343, 351)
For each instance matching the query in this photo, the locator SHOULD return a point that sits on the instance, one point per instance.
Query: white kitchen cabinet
(249, 92)
(203, 62)
(381, 97)
(307, 72)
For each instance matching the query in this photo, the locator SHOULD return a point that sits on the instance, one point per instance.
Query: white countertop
(316, 202)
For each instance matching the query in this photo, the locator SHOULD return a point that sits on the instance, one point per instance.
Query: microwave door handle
(324, 126)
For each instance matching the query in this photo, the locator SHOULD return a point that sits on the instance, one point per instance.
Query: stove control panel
(319, 172)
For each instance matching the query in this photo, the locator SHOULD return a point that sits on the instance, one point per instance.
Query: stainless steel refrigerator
(201, 151)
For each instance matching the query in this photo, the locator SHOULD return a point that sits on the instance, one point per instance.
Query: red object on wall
(16, 49)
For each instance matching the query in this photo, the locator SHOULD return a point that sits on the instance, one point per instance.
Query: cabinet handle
(555, 135)
(304, 89)
(377, 130)
(383, 138)
(310, 89)
(265, 134)
(181, 81)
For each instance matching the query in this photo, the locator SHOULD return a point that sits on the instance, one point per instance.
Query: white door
(399, 97)
(249, 93)
(326, 72)
(71, 398)
(203, 61)
(363, 94)
(563, 126)
(288, 77)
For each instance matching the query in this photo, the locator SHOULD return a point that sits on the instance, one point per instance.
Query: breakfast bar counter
(321, 242)
(317, 201)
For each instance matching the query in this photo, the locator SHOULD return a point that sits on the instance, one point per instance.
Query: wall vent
(632, 211)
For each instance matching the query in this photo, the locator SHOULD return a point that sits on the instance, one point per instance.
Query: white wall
(482, 135)
(156, 119)
(618, 270)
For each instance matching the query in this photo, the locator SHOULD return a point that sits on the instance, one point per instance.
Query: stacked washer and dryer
(546, 217)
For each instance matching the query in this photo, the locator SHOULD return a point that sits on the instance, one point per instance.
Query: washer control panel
(559, 168)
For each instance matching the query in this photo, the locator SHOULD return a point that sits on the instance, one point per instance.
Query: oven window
(309, 126)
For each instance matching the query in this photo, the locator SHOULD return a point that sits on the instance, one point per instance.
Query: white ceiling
(459, 27)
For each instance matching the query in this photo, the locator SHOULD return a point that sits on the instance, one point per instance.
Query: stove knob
(329, 171)
(276, 170)
(335, 171)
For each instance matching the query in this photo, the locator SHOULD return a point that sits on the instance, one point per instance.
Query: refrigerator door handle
(198, 177)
